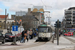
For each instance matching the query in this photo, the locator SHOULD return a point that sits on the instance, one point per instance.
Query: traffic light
(57, 24)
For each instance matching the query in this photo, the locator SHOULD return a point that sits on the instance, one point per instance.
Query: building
(2, 21)
(21, 13)
(28, 20)
(38, 11)
(70, 18)
(31, 18)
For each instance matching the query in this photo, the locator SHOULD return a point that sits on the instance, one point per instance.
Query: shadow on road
(41, 40)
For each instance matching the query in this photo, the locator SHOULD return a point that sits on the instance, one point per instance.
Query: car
(10, 37)
(2, 38)
(68, 34)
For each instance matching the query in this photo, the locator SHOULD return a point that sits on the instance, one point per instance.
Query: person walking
(27, 35)
(22, 37)
(30, 33)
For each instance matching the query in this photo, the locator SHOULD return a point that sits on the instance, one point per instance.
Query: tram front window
(43, 30)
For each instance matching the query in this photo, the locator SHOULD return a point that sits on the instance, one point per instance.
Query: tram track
(26, 46)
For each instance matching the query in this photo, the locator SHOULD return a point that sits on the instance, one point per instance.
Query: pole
(20, 31)
(57, 33)
(14, 41)
(5, 18)
(15, 33)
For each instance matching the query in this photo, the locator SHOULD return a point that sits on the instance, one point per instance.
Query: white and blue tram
(44, 32)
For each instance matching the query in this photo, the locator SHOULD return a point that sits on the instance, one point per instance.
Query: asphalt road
(19, 46)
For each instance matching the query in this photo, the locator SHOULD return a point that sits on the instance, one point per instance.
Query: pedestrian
(22, 40)
(25, 35)
(60, 33)
(30, 34)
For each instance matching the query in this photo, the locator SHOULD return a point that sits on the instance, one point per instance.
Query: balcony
(73, 22)
(73, 16)
(73, 26)
(68, 16)
(73, 19)
(68, 26)
(68, 12)
(68, 19)
(73, 13)
(68, 22)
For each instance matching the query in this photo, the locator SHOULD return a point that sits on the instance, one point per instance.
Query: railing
(68, 23)
(68, 16)
(68, 19)
(68, 12)
(68, 26)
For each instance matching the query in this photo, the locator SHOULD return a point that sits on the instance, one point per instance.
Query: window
(43, 29)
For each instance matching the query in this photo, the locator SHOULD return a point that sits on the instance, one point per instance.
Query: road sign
(14, 28)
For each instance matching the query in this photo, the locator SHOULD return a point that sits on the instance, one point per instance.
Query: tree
(27, 22)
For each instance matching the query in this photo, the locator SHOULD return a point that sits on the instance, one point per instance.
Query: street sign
(14, 28)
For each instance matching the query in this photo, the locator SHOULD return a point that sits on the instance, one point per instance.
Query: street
(37, 25)
(63, 43)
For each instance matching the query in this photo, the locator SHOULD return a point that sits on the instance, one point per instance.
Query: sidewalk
(72, 48)
(63, 43)
(68, 48)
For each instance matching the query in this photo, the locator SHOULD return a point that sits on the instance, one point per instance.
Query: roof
(3, 16)
(71, 8)
(38, 7)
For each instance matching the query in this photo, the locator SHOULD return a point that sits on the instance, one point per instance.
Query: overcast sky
(56, 7)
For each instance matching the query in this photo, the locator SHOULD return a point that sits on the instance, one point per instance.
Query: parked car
(2, 38)
(68, 34)
(10, 37)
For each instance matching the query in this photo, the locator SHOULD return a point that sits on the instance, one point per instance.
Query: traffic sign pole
(14, 28)
(15, 38)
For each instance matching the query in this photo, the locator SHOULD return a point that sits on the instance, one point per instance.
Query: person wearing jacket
(22, 40)
(30, 34)
(27, 35)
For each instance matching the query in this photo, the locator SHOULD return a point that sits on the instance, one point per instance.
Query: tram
(44, 32)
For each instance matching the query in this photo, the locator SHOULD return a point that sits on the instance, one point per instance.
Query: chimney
(29, 10)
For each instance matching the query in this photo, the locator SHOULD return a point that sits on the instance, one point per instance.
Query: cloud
(19, 7)
(52, 23)
(1, 10)
(56, 7)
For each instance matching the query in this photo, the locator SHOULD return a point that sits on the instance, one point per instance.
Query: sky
(56, 7)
